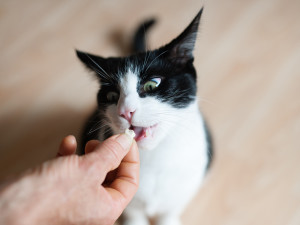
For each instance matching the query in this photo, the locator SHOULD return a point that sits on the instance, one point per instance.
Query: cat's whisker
(182, 126)
(93, 130)
(95, 124)
(106, 131)
(175, 119)
(207, 101)
(148, 54)
(104, 76)
(156, 59)
(96, 127)
(101, 72)
(97, 64)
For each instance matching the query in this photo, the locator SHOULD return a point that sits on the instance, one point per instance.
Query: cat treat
(130, 133)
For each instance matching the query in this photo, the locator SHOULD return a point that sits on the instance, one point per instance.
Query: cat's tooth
(147, 133)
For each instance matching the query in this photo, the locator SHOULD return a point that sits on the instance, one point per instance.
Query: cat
(154, 94)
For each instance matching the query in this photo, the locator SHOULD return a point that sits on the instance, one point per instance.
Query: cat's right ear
(180, 50)
(94, 63)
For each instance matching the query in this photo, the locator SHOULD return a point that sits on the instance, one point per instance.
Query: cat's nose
(127, 114)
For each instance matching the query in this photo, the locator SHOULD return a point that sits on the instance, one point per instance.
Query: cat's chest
(178, 164)
(175, 155)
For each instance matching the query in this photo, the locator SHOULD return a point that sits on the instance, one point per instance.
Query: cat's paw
(168, 220)
(134, 217)
(136, 221)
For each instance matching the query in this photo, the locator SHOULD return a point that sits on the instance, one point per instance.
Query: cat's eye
(152, 84)
(112, 96)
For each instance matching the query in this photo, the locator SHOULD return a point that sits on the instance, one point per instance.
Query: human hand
(71, 189)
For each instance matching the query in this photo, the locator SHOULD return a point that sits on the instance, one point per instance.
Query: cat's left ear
(94, 63)
(180, 50)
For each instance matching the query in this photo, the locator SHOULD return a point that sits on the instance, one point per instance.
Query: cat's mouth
(142, 132)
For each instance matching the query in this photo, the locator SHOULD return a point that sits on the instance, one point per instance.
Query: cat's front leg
(168, 219)
(134, 216)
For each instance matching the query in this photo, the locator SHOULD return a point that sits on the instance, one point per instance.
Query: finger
(91, 146)
(67, 146)
(107, 156)
(125, 184)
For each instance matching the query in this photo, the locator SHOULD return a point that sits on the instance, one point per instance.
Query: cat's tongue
(141, 132)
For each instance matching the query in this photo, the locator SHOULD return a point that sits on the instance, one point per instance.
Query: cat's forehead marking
(129, 82)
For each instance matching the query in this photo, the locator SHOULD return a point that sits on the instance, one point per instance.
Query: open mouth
(142, 132)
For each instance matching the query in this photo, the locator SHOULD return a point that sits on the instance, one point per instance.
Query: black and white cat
(154, 94)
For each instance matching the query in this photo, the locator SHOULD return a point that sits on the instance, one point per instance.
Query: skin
(91, 189)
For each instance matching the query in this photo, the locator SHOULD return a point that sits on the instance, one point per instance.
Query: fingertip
(125, 140)
(70, 140)
(67, 146)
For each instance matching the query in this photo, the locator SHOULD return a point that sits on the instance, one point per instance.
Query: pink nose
(127, 114)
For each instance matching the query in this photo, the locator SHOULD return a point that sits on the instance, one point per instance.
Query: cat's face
(145, 92)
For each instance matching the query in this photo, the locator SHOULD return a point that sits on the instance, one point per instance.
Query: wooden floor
(248, 61)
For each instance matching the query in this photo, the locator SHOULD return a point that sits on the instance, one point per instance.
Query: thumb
(108, 155)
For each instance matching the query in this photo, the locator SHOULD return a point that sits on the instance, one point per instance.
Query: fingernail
(125, 140)
(71, 139)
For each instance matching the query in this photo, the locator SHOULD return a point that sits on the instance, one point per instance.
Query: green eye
(112, 96)
(152, 84)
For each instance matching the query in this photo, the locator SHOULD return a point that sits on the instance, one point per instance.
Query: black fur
(210, 146)
(139, 40)
(173, 63)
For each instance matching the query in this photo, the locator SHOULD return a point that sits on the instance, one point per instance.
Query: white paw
(135, 217)
(168, 220)
(137, 221)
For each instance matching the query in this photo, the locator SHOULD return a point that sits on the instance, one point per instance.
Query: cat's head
(147, 91)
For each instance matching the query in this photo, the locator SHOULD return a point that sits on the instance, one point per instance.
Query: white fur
(173, 162)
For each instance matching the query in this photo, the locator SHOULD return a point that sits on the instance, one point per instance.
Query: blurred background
(248, 61)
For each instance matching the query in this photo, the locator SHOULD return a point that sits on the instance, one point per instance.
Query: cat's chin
(147, 144)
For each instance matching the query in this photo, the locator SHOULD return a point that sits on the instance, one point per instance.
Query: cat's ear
(180, 50)
(93, 62)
